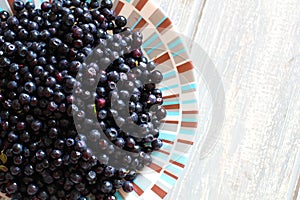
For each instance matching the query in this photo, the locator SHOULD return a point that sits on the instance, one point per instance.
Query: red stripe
(177, 163)
(140, 24)
(190, 112)
(189, 124)
(167, 141)
(163, 58)
(185, 142)
(171, 96)
(169, 174)
(155, 167)
(174, 106)
(119, 7)
(160, 192)
(164, 152)
(164, 25)
(185, 67)
(137, 189)
(141, 4)
(10, 2)
(169, 122)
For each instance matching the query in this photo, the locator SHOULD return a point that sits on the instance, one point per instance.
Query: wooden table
(255, 49)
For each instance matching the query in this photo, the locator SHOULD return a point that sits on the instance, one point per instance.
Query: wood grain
(255, 46)
(184, 13)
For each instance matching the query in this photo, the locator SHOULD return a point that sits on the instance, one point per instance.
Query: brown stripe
(164, 25)
(10, 2)
(177, 163)
(169, 121)
(185, 142)
(160, 192)
(140, 24)
(155, 167)
(174, 106)
(185, 67)
(171, 96)
(137, 189)
(163, 58)
(164, 152)
(296, 192)
(167, 141)
(190, 112)
(141, 4)
(169, 174)
(189, 124)
(119, 7)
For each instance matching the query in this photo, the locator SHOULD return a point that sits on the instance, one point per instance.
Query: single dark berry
(11, 188)
(46, 6)
(4, 15)
(157, 144)
(120, 21)
(17, 148)
(106, 187)
(127, 186)
(18, 5)
(32, 189)
(40, 154)
(109, 171)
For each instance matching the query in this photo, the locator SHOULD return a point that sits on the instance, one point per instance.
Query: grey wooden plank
(184, 13)
(255, 47)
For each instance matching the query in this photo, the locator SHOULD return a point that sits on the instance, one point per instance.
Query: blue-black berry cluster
(50, 58)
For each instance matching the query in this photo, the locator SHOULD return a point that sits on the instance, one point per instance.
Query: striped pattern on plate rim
(162, 44)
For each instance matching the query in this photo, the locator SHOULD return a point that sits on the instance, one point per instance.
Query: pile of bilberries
(58, 138)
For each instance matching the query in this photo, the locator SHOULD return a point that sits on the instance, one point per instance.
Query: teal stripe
(170, 103)
(136, 23)
(189, 87)
(169, 87)
(173, 113)
(169, 74)
(118, 195)
(174, 170)
(168, 179)
(150, 40)
(0, 9)
(161, 21)
(175, 43)
(189, 101)
(128, 1)
(142, 182)
(167, 147)
(187, 132)
(178, 52)
(179, 158)
(139, 185)
(167, 136)
(160, 155)
(189, 119)
(154, 48)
